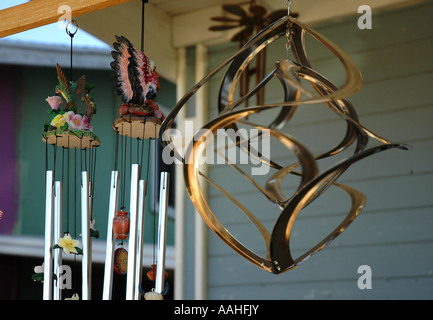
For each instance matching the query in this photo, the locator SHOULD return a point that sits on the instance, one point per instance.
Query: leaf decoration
(63, 81)
(94, 233)
(40, 276)
(81, 85)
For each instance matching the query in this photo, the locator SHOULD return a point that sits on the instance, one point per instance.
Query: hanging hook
(288, 5)
(75, 24)
(288, 31)
(71, 34)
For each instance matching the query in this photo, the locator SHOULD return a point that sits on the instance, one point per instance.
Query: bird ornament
(135, 80)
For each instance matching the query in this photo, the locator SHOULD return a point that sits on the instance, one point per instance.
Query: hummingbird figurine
(70, 91)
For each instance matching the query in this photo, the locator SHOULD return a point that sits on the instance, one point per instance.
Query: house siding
(393, 235)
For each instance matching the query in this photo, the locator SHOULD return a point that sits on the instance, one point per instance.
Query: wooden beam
(37, 13)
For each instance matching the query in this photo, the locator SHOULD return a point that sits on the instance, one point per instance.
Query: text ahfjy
(236, 309)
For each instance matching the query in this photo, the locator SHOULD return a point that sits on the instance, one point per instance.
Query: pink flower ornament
(54, 102)
(86, 124)
(75, 121)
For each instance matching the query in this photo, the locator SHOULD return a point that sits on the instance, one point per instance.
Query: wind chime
(73, 146)
(136, 81)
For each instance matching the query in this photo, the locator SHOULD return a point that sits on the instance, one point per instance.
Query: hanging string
(55, 159)
(138, 150)
(116, 151)
(142, 24)
(130, 142)
(75, 187)
(63, 163)
(71, 35)
(67, 193)
(142, 153)
(123, 164)
(81, 155)
(85, 159)
(155, 226)
(155, 170)
(46, 154)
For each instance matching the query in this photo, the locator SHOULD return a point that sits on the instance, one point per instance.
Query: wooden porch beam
(37, 13)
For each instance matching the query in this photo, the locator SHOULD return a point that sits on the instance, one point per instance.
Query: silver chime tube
(162, 232)
(140, 236)
(85, 234)
(57, 254)
(48, 262)
(89, 239)
(132, 244)
(109, 255)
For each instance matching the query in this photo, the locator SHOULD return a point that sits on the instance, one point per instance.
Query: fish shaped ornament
(136, 81)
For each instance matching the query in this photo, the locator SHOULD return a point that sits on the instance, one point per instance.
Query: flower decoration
(67, 118)
(59, 121)
(75, 121)
(39, 273)
(93, 232)
(75, 296)
(68, 245)
(39, 269)
(54, 102)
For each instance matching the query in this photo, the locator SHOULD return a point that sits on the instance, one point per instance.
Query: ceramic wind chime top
(68, 127)
(136, 81)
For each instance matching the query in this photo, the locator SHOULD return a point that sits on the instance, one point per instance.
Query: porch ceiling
(169, 24)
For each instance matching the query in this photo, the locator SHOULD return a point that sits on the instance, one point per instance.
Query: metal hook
(73, 22)
(288, 5)
(288, 31)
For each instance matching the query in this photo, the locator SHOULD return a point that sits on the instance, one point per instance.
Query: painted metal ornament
(121, 225)
(151, 274)
(120, 261)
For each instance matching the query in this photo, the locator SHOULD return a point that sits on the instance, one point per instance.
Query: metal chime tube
(140, 236)
(57, 254)
(162, 232)
(89, 239)
(132, 244)
(48, 262)
(85, 232)
(109, 256)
